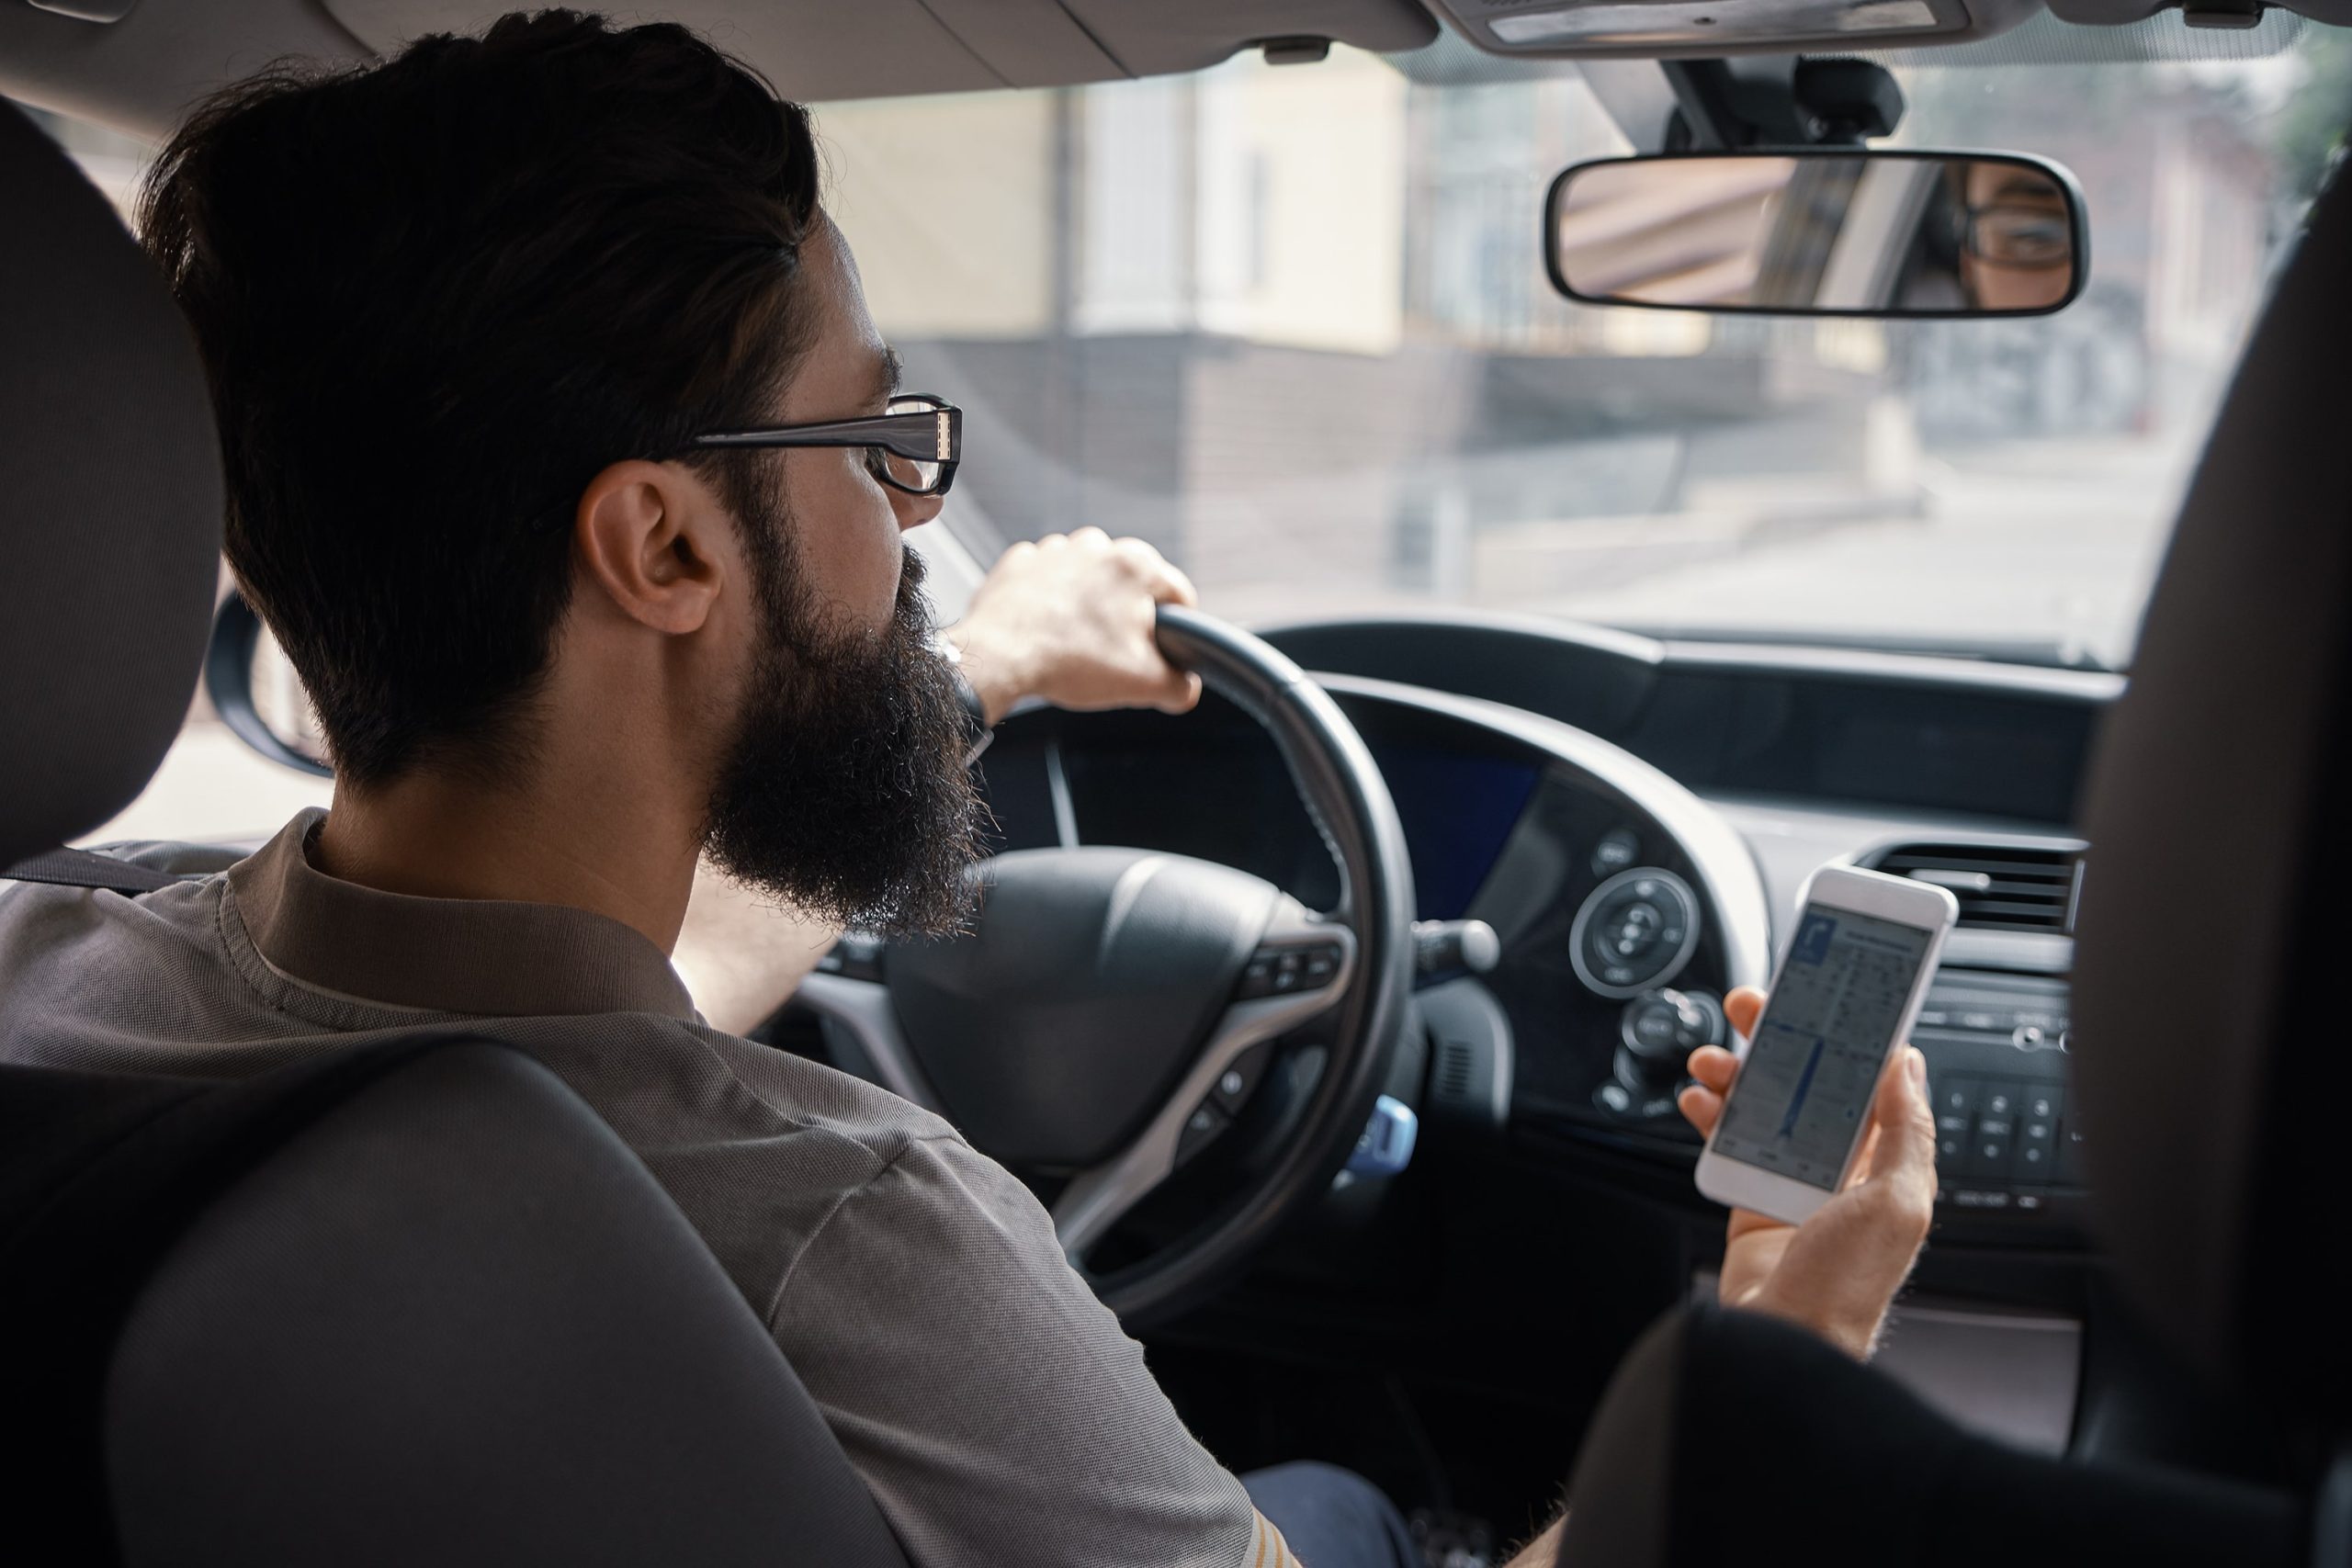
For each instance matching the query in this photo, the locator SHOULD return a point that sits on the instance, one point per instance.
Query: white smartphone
(1848, 991)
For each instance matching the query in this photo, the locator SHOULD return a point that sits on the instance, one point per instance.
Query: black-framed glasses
(914, 446)
(2021, 236)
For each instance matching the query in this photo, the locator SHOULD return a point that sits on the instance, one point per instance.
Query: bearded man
(567, 466)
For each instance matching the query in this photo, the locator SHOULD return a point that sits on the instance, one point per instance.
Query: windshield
(1291, 325)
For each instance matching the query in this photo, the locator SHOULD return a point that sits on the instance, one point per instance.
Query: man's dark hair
(435, 297)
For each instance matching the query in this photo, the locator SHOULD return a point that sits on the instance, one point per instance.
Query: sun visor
(1686, 28)
(1672, 29)
(818, 49)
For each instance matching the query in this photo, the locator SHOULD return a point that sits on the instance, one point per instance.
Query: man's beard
(845, 791)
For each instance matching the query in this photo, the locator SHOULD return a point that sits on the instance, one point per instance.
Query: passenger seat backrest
(1727, 1436)
(2208, 1007)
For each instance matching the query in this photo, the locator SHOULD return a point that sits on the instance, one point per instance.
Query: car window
(1291, 325)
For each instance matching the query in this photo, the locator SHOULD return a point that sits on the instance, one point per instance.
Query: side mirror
(255, 692)
(1833, 231)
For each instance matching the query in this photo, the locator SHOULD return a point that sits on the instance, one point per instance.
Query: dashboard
(1634, 819)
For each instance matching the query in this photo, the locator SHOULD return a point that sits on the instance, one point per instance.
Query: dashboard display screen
(1235, 804)
(1457, 811)
(1806, 1086)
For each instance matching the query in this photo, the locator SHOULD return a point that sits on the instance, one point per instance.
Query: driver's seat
(2210, 1017)
(410, 1305)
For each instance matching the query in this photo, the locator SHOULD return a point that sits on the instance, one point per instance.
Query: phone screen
(1806, 1088)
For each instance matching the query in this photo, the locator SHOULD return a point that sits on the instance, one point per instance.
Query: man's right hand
(1837, 1274)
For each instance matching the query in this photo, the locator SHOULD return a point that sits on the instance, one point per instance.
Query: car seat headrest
(2213, 913)
(112, 522)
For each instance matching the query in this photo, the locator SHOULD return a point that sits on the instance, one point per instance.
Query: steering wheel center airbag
(1055, 1028)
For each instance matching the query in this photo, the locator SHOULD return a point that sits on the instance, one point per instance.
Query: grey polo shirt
(996, 1409)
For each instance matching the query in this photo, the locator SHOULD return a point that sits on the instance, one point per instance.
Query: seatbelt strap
(80, 868)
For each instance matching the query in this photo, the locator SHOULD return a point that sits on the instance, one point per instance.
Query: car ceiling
(138, 71)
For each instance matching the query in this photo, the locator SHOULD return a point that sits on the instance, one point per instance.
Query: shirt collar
(481, 956)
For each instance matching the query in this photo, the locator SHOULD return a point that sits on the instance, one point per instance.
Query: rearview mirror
(1843, 232)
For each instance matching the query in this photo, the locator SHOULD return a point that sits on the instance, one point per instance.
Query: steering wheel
(1111, 1008)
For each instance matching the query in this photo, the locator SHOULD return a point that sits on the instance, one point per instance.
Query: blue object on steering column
(1387, 1146)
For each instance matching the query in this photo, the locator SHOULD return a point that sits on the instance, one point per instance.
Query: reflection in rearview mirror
(1845, 232)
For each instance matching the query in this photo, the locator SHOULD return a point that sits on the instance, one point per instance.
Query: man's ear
(650, 534)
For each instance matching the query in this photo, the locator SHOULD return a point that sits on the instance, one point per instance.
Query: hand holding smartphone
(1848, 989)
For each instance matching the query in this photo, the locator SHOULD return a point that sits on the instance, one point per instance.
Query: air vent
(2000, 887)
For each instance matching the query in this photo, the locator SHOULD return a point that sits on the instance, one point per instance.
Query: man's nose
(915, 511)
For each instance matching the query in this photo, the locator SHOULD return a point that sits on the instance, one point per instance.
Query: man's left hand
(1837, 1274)
(1070, 620)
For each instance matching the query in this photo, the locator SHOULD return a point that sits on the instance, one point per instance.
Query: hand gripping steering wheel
(1107, 1002)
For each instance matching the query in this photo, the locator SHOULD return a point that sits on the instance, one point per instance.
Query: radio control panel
(2005, 1139)
(2007, 1146)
